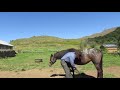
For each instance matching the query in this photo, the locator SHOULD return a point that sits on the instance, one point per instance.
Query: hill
(55, 43)
(101, 33)
(111, 37)
(44, 42)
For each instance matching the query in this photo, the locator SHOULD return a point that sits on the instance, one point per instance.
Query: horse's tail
(101, 61)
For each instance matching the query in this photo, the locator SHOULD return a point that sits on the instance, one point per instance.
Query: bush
(83, 45)
(103, 49)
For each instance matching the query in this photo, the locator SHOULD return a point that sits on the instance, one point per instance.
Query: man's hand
(76, 71)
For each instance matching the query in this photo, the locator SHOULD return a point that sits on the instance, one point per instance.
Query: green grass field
(43, 47)
(26, 61)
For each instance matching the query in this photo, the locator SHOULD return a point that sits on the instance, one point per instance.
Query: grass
(23, 61)
(26, 61)
(111, 60)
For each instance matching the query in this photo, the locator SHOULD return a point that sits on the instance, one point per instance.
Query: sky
(67, 25)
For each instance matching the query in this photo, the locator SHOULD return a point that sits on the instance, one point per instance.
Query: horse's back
(88, 55)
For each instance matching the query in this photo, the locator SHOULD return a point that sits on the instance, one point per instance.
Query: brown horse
(83, 57)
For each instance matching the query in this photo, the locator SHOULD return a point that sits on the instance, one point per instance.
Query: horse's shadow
(81, 75)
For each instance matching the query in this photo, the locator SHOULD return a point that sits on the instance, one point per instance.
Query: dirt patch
(55, 73)
(34, 73)
(115, 70)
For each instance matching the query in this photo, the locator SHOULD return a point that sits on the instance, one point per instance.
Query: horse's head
(52, 60)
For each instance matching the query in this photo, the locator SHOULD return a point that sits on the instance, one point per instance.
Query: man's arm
(72, 62)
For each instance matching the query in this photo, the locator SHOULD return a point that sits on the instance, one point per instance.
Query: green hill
(111, 37)
(55, 43)
(44, 43)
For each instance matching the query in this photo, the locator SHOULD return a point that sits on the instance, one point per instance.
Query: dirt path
(46, 73)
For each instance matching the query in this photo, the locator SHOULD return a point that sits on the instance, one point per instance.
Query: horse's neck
(59, 55)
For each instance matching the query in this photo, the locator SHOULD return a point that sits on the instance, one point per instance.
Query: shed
(4, 45)
(6, 49)
(111, 48)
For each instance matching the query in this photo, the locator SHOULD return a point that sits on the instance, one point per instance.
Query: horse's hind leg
(99, 70)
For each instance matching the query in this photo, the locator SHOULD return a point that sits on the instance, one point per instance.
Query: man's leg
(71, 69)
(66, 69)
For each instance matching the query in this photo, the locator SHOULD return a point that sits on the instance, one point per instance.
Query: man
(67, 62)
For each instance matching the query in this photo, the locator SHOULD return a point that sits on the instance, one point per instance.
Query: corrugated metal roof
(110, 45)
(5, 43)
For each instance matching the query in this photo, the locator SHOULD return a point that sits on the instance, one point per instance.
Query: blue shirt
(69, 57)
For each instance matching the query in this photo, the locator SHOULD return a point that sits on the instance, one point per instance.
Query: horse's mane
(63, 52)
(67, 50)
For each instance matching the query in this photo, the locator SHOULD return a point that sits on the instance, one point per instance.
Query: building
(111, 48)
(6, 49)
(5, 46)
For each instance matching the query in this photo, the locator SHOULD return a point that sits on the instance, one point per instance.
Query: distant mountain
(111, 37)
(100, 34)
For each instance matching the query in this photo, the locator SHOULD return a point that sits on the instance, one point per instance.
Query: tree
(83, 44)
(103, 49)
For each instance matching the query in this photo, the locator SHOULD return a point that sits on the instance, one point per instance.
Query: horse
(83, 57)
